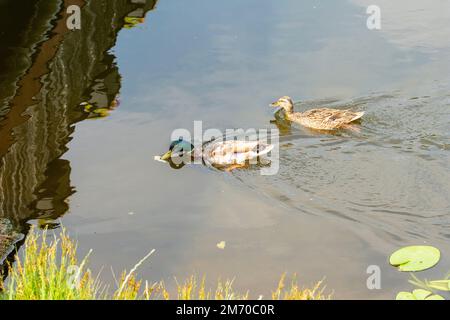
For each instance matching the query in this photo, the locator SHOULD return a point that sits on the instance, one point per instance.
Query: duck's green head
(178, 149)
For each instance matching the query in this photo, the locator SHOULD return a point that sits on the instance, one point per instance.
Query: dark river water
(339, 203)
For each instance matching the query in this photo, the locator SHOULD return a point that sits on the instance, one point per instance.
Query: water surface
(340, 201)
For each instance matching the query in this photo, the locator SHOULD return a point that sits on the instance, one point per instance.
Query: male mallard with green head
(225, 155)
(320, 119)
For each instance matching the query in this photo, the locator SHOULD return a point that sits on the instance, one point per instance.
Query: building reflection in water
(51, 78)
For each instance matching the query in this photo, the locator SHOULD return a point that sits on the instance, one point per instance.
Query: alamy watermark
(374, 20)
(73, 21)
(74, 277)
(374, 280)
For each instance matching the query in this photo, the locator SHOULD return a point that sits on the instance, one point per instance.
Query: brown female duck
(320, 119)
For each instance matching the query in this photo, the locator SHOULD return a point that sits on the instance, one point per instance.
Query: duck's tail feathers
(358, 115)
(264, 149)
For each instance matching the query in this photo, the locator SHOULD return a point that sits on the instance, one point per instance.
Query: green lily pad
(403, 295)
(435, 297)
(418, 294)
(421, 294)
(443, 285)
(415, 258)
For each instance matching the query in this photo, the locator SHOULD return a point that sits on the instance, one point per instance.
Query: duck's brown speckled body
(320, 119)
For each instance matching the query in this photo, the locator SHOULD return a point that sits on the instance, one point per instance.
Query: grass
(294, 292)
(50, 270)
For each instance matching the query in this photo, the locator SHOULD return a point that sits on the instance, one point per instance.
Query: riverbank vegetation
(50, 270)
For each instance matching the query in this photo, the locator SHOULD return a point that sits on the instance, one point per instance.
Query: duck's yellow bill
(166, 156)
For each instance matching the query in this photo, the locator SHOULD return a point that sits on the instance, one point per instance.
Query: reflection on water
(41, 99)
(345, 197)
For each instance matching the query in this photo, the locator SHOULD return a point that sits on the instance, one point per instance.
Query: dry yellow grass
(45, 271)
(294, 292)
(191, 289)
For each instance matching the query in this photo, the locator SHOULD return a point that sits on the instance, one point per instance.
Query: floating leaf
(421, 294)
(131, 22)
(418, 294)
(158, 158)
(443, 285)
(435, 297)
(101, 112)
(405, 296)
(87, 106)
(415, 258)
(221, 245)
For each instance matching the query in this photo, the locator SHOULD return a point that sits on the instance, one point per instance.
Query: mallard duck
(320, 119)
(225, 155)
